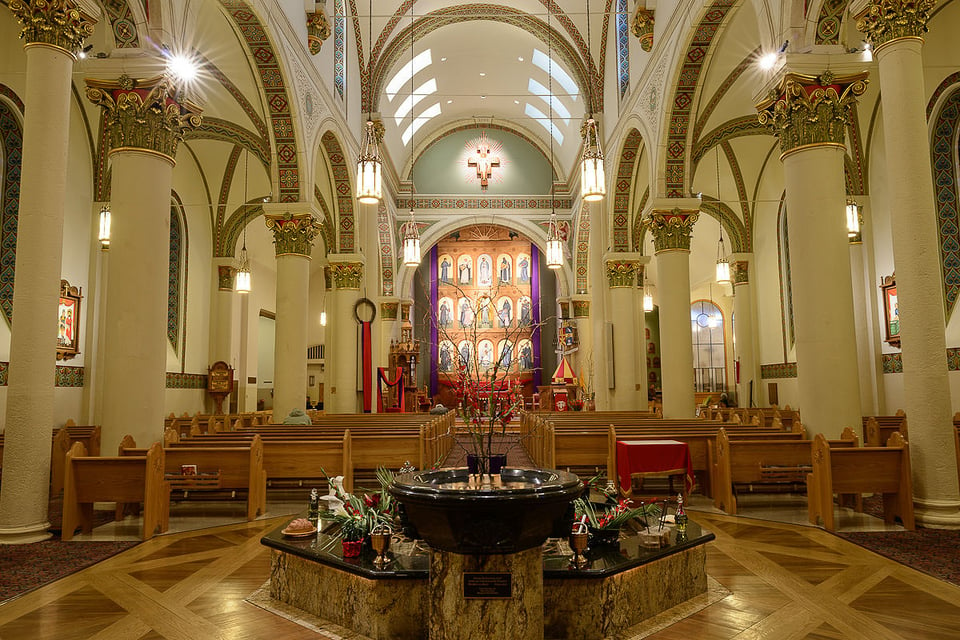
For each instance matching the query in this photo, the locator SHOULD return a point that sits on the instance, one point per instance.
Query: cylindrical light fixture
(369, 185)
(243, 282)
(104, 234)
(854, 221)
(647, 299)
(554, 245)
(323, 318)
(411, 243)
(592, 178)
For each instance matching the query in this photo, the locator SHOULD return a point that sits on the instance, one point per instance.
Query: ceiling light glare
(182, 67)
(768, 61)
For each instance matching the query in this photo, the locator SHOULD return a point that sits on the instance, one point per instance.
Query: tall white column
(896, 30)
(810, 118)
(293, 239)
(225, 302)
(621, 269)
(143, 141)
(52, 35)
(744, 332)
(342, 345)
(588, 358)
(671, 222)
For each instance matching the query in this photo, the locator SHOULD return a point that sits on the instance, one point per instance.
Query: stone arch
(343, 215)
(386, 253)
(177, 273)
(11, 142)
(274, 87)
(441, 229)
(623, 188)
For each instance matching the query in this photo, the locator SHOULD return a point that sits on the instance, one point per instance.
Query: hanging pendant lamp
(243, 280)
(593, 182)
(723, 265)
(369, 166)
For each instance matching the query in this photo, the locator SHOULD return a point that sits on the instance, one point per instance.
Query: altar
(620, 586)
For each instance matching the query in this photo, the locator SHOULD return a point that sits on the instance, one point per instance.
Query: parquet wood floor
(786, 582)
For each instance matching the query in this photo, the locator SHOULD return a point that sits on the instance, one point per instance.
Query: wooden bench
(883, 470)
(878, 429)
(756, 464)
(115, 479)
(63, 439)
(237, 469)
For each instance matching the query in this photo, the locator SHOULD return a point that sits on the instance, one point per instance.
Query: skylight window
(538, 89)
(421, 92)
(541, 60)
(544, 121)
(407, 71)
(419, 121)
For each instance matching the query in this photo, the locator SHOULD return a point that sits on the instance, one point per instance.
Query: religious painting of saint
(523, 269)
(484, 271)
(504, 268)
(526, 311)
(485, 354)
(525, 353)
(67, 328)
(445, 359)
(484, 312)
(504, 312)
(465, 352)
(505, 355)
(445, 312)
(466, 313)
(464, 270)
(445, 269)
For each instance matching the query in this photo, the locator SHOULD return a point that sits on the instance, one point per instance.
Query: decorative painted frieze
(347, 275)
(741, 272)
(58, 23)
(620, 273)
(642, 27)
(293, 234)
(779, 370)
(225, 277)
(672, 229)
(318, 30)
(581, 308)
(806, 111)
(143, 114)
(389, 310)
(887, 20)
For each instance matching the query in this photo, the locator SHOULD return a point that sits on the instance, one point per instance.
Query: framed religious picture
(68, 322)
(891, 310)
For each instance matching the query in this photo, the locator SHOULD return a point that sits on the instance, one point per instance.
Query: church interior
(659, 217)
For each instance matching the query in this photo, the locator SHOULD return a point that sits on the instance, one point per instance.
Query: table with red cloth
(653, 458)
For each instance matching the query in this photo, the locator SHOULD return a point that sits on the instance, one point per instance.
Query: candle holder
(578, 543)
(380, 541)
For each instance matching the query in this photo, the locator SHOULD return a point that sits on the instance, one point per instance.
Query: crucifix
(484, 162)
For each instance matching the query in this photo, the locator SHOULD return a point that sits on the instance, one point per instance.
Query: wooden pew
(884, 470)
(238, 468)
(63, 439)
(878, 429)
(115, 479)
(763, 463)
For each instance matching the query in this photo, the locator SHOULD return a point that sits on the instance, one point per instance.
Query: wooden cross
(484, 162)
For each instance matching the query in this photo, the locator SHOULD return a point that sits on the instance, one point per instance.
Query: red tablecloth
(653, 456)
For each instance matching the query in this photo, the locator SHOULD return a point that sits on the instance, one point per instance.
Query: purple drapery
(434, 332)
(535, 295)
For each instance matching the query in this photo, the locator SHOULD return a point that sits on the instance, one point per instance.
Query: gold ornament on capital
(884, 21)
(293, 234)
(347, 275)
(672, 229)
(621, 273)
(642, 27)
(58, 23)
(318, 30)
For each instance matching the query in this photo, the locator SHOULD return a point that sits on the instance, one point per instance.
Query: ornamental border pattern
(228, 173)
(11, 136)
(274, 89)
(684, 93)
(386, 250)
(622, 189)
(942, 152)
(779, 370)
(539, 202)
(341, 180)
(123, 24)
(176, 380)
(829, 21)
(583, 249)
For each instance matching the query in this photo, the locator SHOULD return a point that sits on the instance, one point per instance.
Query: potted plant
(604, 524)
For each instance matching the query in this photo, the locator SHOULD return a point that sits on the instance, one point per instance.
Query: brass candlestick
(578, 542)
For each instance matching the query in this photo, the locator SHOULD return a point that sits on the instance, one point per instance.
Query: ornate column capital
(143, 114)
(622, 269)
(346, 275)
(672, 228)
(642, 27)
(741, 272)
(810, 111)
(318, 30)
(581, 308)
(225, 276)
(293, 234)
(389, 308)
(885, 21)
(55, 23)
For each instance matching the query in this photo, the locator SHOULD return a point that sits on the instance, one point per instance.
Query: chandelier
(243, 280)
(369, 184)
(592, 178)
